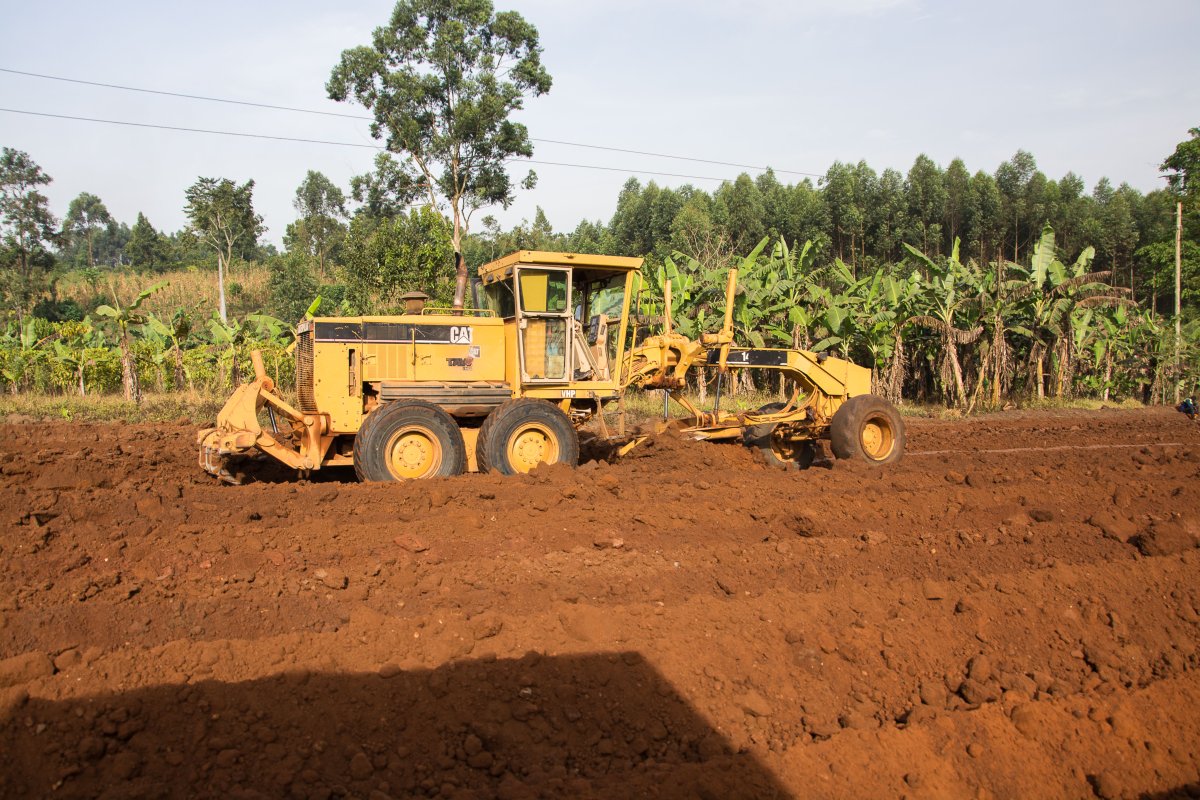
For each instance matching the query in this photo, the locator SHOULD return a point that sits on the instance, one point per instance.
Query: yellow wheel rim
(413, 452)
(530, 445)
(878, 439)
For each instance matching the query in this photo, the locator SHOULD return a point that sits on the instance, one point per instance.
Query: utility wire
(371, 119)
(338, 144)
(183, 95)
(188, 130)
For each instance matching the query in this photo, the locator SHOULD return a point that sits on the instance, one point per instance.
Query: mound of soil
(1013, 610)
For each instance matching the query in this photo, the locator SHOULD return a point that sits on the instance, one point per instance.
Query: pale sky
(1098, 87)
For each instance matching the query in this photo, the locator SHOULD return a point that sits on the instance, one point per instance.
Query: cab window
(543, 291)
(500, 300)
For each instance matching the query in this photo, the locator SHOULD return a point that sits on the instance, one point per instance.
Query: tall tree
(321, 205)
(1012, 179)
(86, 216)
(442, 79)
(984, 217)
(146, 248)
(926, 191)
(1183, 168)
(738, 208)
(958, 196)
(221, 215)
(26, 225)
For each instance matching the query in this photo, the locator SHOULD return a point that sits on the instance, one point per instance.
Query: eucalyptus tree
(925, 190)
(26, 227)
(442, 80)
(1183, 169)
(221, 216)
(86, 216)
(1013, 179)
(319, 229)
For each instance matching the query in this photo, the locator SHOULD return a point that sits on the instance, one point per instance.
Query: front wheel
(867, 427)
(523, 433)
(408, 439)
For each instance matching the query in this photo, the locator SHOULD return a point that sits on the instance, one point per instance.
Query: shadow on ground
(604, 726)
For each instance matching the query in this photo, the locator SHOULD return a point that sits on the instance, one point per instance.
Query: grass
(640, 407)
(168, 407)
(191, 288)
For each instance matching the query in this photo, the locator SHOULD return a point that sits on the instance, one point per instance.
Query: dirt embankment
(1012, 611)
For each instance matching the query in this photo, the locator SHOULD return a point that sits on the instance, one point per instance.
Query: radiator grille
(304, 372)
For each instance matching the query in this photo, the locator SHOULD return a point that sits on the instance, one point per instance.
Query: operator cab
(569, 311)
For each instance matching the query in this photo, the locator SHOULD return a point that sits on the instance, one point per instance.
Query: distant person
(1188, 407)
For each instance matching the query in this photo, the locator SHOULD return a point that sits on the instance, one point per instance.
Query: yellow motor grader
(510, 384)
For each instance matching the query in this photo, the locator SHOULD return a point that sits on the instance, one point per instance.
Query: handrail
(448, 311)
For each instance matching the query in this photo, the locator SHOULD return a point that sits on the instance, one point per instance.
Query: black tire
(761, 438)
(526, 426)
(869, 428)
(393, 439)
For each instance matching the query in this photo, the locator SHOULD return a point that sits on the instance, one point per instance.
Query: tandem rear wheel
(408, 439)
(523, 433)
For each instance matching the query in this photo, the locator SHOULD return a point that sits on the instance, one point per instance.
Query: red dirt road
(1012, 611)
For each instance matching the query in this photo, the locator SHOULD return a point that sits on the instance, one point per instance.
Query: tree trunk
(133, 391)
(179, 374)
(1107, 374)
(460, 264)
(1040, 374)
(82, 382)
(1062, 365)
(221, 288)
(960, 392)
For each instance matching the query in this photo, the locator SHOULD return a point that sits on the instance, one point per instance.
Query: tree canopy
(442, 79)
(222, 216)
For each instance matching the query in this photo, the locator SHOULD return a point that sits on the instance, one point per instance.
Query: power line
(371, 119)
(188, 130)
(184, 95)
(178, 128)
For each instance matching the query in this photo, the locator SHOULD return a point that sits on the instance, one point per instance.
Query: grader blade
(237, 431)
(302, 447)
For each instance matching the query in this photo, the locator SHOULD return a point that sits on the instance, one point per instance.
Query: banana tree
(175, 332)
(1111, 345)
(236, 334)
(1052, 292)
(790, 318)
(76, 348)
(892, 300)
(128, 320)
(947, 301)
(21, 349)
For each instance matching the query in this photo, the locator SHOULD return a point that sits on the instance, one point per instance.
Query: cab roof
(503, 267)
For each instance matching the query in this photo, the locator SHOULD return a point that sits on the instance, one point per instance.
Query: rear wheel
(406, 440)
(778, 452)
(523, 433)
(869, 428)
